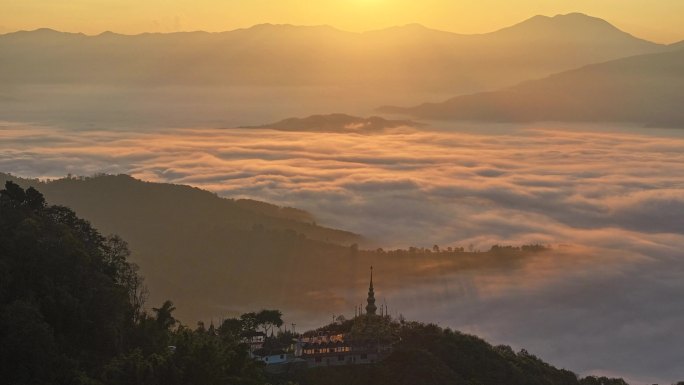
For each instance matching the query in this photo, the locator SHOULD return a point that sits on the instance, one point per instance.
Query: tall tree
(164, 315)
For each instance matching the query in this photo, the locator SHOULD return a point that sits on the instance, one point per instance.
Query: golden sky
(657, 20)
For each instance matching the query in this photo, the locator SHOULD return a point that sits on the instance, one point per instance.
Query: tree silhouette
(164, 315)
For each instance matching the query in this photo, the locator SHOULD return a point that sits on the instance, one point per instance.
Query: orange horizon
(657, 22)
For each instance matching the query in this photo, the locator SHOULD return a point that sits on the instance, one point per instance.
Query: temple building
(361, 346)
(370, 307)
(364, 340)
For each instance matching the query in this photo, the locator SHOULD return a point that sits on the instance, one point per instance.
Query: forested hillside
(72, 311)
(200, 249)
(427, 354)
(217, 257)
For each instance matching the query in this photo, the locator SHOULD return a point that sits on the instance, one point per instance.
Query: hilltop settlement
(363, 340)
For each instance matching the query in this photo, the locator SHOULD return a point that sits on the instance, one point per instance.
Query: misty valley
(205, 207)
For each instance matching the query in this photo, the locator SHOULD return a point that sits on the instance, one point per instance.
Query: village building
(255, 340)
(271, 357)
(342, 352)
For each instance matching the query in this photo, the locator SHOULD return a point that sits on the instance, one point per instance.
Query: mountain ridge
(642, 89)
(415, 26)
(559, 21)
(60, 191)
(412, 57)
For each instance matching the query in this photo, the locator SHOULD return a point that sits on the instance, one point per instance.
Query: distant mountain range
(644, 89)
(337, 123)
(410, 57)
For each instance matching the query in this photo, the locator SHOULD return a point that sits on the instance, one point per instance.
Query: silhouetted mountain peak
(44, 32)
(578, 17)
(43, 35)
(575, 19)
(108, 33)
(571, 26)
(581, 20)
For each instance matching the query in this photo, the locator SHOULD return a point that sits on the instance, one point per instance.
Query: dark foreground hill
(645, 89)
(71, 313)
(71, 310)
(427, 354)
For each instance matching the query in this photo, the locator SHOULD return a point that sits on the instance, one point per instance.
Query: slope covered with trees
(72, 311)
(427, 354)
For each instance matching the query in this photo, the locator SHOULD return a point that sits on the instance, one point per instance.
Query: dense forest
(72, 311)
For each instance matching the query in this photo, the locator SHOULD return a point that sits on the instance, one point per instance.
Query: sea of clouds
(613, 198)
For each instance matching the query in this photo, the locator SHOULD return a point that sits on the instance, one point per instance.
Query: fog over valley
(524, 186)
(607, 199)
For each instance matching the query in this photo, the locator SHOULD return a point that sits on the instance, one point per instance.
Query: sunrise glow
(641, 17)
(333, 192)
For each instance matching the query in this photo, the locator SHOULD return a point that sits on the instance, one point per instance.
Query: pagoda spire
(371, 308)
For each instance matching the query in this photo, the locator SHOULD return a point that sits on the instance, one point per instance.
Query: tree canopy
(72, 309)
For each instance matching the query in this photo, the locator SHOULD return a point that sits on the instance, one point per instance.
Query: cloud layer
(610, 303)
